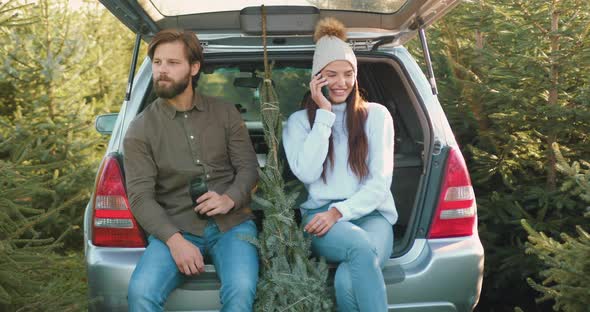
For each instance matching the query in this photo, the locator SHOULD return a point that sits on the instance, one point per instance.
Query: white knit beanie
(330, 38)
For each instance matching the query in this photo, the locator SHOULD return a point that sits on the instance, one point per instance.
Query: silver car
(437, 262)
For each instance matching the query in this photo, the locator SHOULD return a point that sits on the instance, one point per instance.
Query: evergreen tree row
(513, 81)
(58, 69)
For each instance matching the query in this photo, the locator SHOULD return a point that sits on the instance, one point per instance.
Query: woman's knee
(361, 247)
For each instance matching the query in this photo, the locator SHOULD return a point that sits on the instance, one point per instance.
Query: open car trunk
(381, 80)
(234, 28)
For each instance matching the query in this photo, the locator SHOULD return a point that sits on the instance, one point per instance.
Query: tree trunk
(553, 93)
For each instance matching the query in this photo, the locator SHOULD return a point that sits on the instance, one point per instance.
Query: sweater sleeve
(375, 187)
(307, 148)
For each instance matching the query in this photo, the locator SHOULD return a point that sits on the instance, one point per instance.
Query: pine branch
(290, 280)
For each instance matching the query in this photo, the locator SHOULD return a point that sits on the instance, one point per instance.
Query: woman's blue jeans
(235, 260)
(360, 248)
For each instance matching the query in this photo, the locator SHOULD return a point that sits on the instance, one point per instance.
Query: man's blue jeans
(235, 260)
(360, 247)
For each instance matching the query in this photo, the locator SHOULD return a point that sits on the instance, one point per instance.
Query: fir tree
(50, 67)
(290, 280)
(566, 264)
(511, 82)
(53, 81)
(33, 276)
(11, 14)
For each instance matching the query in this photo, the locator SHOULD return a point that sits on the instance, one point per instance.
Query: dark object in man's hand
(197, 187)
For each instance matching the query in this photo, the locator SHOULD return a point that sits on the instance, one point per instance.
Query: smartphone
(326, 92)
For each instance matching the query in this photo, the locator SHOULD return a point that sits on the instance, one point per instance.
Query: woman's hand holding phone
(315, 86)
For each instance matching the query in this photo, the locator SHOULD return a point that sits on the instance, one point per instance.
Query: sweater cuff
(346, 213)
(324, 117)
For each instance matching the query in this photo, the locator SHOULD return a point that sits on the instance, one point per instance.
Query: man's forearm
(152, 217)
(243, 184)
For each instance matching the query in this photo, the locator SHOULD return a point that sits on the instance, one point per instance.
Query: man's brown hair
(192, 46)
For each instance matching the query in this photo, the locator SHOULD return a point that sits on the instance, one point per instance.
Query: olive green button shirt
(164, 149)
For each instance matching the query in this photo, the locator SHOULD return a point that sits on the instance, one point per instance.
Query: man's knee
(149, 287)
(238, 294)
(134, 293)
(239, 287)
(140, 294)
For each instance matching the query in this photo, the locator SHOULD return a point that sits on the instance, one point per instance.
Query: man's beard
(174, 89)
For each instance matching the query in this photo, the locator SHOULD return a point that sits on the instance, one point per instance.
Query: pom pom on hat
(329, 26)
(330, 38)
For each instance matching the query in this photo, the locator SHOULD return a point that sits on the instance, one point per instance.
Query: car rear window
(239, 85)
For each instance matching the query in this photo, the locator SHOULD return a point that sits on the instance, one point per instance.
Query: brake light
(456, 211)
(113, 224)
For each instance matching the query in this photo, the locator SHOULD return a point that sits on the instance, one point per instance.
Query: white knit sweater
(306, 149)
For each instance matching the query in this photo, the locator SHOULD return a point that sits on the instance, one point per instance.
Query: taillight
(456, 211)
(113, 224)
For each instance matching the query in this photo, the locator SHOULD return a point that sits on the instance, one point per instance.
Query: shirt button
(185, 116)
(192, 137)
(207, 176)
(198, 161)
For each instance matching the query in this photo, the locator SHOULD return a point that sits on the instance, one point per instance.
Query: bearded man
(180, 138)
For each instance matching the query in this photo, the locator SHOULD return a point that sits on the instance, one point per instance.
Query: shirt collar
(170, 111)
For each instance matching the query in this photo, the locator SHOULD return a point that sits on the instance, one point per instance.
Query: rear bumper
(435, 275)
(446, 276)
(109, 271)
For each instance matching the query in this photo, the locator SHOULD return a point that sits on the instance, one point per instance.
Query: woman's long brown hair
(358, 145)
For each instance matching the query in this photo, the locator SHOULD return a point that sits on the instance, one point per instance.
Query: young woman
(341, 148)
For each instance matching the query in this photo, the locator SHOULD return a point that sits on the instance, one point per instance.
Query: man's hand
(212, 204)
(322, 222)
(187, 256)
